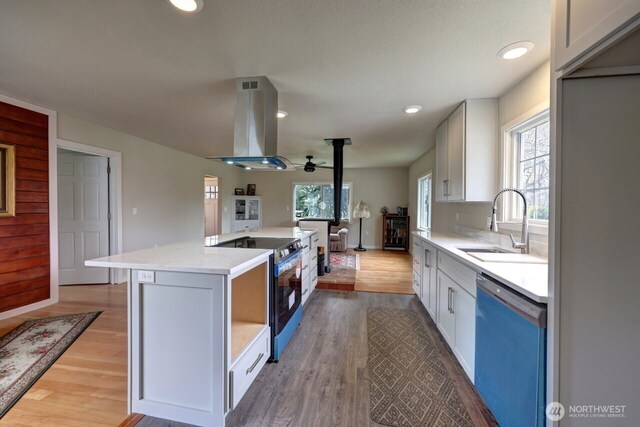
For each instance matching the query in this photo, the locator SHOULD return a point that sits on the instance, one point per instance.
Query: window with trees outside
(315, 200)
(424, 202)
(531, 168)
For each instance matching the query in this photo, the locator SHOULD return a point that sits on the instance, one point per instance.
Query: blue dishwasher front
(510, 361)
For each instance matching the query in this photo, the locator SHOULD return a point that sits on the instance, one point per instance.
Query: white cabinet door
(417, 284)
(446, 318)
(429, 279)
(582, 25)
(442, 167)
(464, 309)
(456, 154)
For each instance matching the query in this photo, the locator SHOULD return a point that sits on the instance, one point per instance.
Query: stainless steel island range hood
(256, 127)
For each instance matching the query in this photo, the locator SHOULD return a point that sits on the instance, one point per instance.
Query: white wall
(376, 187)
(165, 185)
(528, 94)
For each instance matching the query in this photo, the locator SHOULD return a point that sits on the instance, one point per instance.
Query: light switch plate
(146, 276)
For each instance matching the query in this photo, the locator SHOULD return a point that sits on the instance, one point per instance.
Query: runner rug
(409, 384)
(30, 349)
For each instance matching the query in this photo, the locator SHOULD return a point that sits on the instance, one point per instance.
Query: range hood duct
(338, 170)
(255, 131)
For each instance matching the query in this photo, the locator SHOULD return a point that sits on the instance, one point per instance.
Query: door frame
(115, 197)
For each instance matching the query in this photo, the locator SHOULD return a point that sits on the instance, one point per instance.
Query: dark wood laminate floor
(322, 379)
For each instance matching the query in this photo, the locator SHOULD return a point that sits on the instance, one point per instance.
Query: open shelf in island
(248, 308)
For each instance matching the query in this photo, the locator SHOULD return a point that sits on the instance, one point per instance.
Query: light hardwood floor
(384, 271)
(87, 385)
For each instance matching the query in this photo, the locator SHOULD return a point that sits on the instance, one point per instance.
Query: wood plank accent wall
(24, 238)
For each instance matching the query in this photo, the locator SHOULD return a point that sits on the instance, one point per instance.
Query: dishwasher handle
(534, 312)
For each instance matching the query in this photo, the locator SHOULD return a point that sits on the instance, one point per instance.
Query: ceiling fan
(310, 166)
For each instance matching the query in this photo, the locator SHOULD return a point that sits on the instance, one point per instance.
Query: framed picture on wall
(7, 180)
(239, 192)
(251, 189)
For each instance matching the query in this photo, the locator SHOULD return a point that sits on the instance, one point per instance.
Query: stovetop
(281, 246)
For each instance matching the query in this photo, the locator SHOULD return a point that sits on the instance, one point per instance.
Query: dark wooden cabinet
(395, 233)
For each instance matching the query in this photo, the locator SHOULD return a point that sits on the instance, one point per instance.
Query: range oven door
(286, 291)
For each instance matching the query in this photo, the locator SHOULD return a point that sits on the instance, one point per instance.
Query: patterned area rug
(409, 384)
(30, 349)
(349, 261)
(343, 272)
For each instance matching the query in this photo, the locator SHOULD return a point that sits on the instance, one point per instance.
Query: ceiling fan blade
(324, 167)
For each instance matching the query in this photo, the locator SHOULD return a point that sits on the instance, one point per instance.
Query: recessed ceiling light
(265, 162)
(412, 109)
(282, 114)
(247, 167)
(229, 162)
(515, 50)
(188, 5)
(279, 168)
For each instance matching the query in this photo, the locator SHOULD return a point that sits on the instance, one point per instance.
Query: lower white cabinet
(309, 266)
(247, 367)
(464, 310)
(456, 311)
(446, 317)
(428, 276)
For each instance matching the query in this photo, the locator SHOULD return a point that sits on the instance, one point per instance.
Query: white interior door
(83, 223)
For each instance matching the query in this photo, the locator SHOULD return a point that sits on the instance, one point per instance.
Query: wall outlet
(135, 211)
(366, 233)
(146, 276)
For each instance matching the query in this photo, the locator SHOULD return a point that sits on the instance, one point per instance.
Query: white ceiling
(343, 68)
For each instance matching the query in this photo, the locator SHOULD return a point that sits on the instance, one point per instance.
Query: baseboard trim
(27, 308)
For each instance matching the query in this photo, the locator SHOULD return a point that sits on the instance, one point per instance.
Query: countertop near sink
(528, 279)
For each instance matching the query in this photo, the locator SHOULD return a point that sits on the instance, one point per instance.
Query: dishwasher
(510, 365)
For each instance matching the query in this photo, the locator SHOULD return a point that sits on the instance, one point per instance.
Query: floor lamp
(361, 211)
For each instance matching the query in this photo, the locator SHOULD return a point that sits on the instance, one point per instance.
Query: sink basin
(496, 254)
(490, 250)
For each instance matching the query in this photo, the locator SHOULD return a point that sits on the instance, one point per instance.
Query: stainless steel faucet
(524, 239)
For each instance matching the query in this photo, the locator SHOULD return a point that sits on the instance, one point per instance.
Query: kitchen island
(198, 325)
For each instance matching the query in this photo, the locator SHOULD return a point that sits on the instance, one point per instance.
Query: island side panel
(178, 346)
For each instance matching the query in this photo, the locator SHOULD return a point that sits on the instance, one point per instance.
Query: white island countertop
(193, 256)
(530, 280)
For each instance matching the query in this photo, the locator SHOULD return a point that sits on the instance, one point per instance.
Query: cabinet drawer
(313, 260)
(246, 369)
(306, 245)
(306, 286)
(305, 263)
(315, 241)
(416, 284)
(461, 274)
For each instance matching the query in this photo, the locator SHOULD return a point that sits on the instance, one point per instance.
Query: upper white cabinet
(466, 153)
(247, 213)
(582, 25)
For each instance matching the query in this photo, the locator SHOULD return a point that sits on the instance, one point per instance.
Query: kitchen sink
(495, 254)
(490, 250)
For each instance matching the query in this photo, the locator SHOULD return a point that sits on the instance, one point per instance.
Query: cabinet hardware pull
(260, 356)
(305, 291)
(452, 295)
(449, 300)
(427, 255)
(305, 267)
